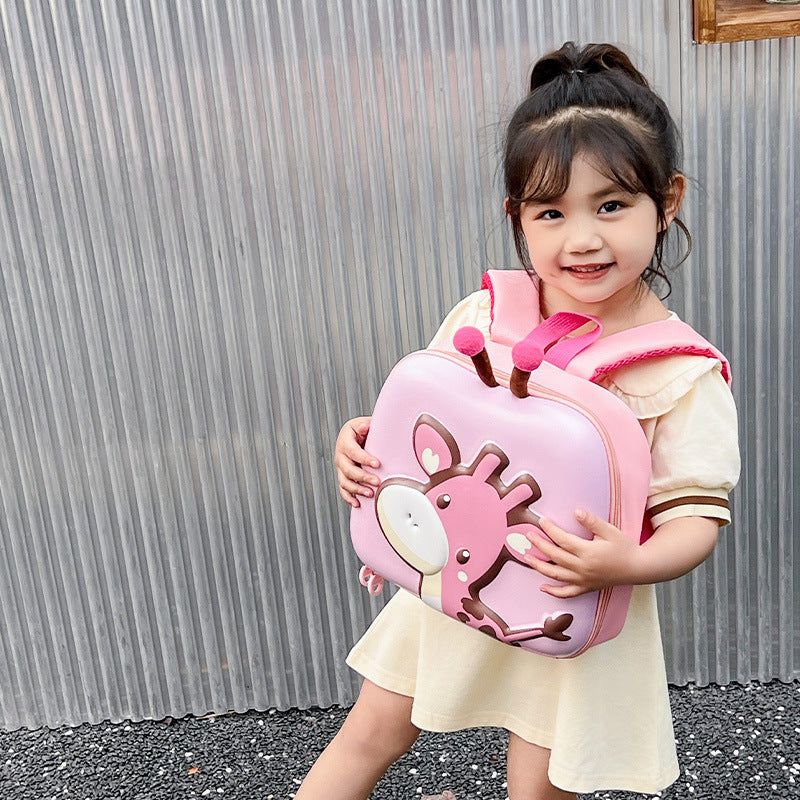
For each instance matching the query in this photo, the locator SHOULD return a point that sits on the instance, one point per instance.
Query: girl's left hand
(583, 565)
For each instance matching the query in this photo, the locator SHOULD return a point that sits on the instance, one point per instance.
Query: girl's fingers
(358, 455)
(562, 592)
(351, 439)
(569, 584)
(599, 527)
(353, 461)
(359, 426)
(349, 448)
(565, 541)
(566, 586)
(350, 458)
(349, 499)
(554, 572)
(561, 554)
(347, 470)
(350, 490)
(544, 545)
(354, 486)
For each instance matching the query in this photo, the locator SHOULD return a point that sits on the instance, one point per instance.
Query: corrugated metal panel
(741, 116)
(220, 224)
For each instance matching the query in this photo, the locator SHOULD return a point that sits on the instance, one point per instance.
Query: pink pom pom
(469, 341)
(527, 356)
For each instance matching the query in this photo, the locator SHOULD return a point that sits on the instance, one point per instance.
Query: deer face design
(436, 526)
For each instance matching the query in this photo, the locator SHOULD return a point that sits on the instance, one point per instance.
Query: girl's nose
(582, 237)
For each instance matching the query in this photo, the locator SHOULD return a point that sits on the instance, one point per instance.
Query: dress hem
(445, 724)
(566, 780)
(379, 676)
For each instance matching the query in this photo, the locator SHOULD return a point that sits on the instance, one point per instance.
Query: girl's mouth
(588, 269)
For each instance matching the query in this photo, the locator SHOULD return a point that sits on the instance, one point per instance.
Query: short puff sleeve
(688, 414)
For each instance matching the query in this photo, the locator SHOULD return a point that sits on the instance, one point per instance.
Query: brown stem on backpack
(519, 382)
(484, 368)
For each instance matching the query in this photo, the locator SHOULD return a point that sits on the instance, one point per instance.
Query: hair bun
(592, 59)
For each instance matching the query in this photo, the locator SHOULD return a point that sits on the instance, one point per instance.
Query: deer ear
(434, 446)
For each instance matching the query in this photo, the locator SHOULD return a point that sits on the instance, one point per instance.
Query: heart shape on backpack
(430, 460)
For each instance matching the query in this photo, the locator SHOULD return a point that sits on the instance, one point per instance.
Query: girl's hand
(350, 458)
(609, 559)
(612, 559)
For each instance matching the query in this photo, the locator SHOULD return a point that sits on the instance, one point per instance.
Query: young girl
(593, 185)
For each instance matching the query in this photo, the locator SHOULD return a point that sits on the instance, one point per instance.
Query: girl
(593, 185)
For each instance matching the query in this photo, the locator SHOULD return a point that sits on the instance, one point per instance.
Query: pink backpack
(470, 462)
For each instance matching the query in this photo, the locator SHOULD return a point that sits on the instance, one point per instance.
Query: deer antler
(526, 356)
(469, 341)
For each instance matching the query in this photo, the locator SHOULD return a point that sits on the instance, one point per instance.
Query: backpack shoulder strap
(515, 312)
(653, 340)
(515, 304)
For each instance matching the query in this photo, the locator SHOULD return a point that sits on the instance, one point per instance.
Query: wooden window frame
(737, 20)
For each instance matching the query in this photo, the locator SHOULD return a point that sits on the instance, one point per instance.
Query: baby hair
(595, 103)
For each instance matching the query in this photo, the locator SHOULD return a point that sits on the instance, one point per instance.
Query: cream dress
(605, 715)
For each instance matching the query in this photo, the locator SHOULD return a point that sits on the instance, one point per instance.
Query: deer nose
(413, 528)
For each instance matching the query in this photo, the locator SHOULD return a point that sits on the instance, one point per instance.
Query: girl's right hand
(350, 459)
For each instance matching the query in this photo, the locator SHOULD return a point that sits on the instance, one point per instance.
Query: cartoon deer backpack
(478, 439)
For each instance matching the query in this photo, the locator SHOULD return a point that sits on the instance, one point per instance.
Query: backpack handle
(546, 342)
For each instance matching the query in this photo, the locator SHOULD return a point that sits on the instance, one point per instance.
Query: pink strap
(563, 352)
(548, 338)
(515, 304)
(515, 309)
(653, 340)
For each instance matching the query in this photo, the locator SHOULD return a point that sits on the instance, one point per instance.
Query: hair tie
(577, 72)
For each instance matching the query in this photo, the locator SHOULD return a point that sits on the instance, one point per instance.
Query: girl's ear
(507, 207)
(677, 189)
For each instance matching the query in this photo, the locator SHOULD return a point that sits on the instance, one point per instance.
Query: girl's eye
(610, 206)
(551, 213)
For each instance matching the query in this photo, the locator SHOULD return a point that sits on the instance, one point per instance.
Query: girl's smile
(587, 270)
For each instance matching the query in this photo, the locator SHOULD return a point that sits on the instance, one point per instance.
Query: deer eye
(462, 556)
(443, 500)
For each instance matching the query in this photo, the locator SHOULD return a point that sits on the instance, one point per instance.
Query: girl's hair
(594, 102)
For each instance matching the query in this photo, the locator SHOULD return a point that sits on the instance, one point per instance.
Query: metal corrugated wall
(740, 106)
(220, 225)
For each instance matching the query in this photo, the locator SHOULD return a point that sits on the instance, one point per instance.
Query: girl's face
(591, 245)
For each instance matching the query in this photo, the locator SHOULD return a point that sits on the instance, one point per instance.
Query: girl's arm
(612, 559)
(350, 459)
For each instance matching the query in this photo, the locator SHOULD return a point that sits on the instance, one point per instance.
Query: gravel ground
(740, 742)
